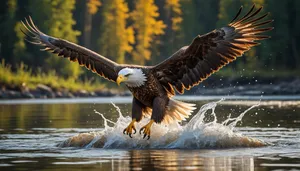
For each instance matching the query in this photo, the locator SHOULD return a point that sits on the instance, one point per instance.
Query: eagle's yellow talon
(147, 129)
(128, 130)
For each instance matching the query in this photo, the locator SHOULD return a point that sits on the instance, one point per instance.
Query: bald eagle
(153, 87)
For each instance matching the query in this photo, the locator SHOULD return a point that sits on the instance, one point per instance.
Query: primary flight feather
(153, 86)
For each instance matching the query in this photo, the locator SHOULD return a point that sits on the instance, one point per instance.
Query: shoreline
(209, 87)
(45, 92)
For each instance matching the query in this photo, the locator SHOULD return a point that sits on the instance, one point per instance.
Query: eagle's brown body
(186, 68)
(151, 89)
(144, 97)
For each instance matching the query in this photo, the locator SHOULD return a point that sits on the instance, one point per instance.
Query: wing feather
(208, 53)
(85, 57)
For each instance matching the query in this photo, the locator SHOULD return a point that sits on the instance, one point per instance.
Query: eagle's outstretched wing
(210, 52)
(85, 57)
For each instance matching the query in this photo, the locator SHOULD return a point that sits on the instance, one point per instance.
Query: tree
(227, 13)
(171, 15)
(91, 9)
(55, 18)
(147, 26)
(199, 17)
(7, 36)
(93, 5)
(116, 38)
(282, 50)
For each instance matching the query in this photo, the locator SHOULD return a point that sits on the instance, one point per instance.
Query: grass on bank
(24, 76)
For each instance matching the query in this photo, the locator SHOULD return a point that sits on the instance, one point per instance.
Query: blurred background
(140, 32)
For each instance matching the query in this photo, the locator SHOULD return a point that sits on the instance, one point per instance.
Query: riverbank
(212, 86)
(44, 91)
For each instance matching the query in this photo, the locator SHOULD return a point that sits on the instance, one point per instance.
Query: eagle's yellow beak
(120, 79)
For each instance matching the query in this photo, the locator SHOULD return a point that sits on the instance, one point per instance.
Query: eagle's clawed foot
(146, 129)
(129, 129)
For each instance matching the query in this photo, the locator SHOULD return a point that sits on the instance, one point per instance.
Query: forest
(137, 32)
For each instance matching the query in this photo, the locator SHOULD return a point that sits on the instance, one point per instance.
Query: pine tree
(7, 35)
(225, 16)
(147, 26)
(116, 38)
(282, 51)
(189, 16)
(93, 6)
(172, 17)
(55, 18)
(91, 9)
(200, 18)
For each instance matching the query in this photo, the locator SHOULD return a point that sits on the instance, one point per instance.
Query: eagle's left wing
(210, 52)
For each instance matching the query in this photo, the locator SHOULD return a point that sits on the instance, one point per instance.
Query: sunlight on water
(196, 134)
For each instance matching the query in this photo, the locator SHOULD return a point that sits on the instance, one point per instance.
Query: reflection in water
(53, 116)
(165, 160)
(178, 160)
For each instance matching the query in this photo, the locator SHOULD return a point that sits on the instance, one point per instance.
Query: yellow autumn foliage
(93, 6)
(147, 26)
(117, 38)
(175, 8)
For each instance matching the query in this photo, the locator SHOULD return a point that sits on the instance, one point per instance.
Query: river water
(222, 135)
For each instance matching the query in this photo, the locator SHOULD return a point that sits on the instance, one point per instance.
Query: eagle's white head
(132, 77)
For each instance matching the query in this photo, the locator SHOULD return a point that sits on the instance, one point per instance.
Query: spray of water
(196, 134)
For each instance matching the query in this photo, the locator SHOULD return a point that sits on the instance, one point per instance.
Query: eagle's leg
(137, 113)
(158, 112)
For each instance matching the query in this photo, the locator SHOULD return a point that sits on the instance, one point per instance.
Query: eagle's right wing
(85, 57)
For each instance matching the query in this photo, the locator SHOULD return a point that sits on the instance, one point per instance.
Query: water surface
(31, 129)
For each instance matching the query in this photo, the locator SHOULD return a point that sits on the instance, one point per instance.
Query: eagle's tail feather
(178, 111)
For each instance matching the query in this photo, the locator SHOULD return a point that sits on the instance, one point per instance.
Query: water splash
(196, 134)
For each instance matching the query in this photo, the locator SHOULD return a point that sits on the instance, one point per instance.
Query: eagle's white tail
(178, 111)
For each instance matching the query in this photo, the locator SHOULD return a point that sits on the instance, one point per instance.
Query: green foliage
(19, 46)
(24, 76)
(8, 10)
(171, 14)
(283, 50)
(55, 17)
(7, 77)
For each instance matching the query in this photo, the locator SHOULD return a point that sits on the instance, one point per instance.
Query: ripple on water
(5, 165)
(24, 161)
